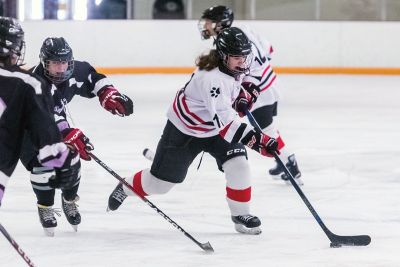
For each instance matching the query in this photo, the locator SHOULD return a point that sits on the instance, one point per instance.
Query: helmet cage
(58, 77)
(57, 51)
(245, 68)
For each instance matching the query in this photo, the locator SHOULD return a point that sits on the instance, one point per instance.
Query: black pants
(176, 151)
(264, 115)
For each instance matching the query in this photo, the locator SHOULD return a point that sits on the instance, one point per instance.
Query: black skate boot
(47, 219)
(278, 172)
(247, 224)
(294, 170)
(71, 211)
(116, 198)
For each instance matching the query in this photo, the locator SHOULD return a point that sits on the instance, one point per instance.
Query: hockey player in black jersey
(261, 74)
(68, 77)
(24, 107)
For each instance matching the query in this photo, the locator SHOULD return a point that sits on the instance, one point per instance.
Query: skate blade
(247, 231)
(75, 227)
(276, 177)
(49, 231)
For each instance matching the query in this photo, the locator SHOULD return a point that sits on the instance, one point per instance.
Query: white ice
(344, 130)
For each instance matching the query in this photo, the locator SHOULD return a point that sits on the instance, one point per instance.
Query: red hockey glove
(111, 100)
(75, 137)
(247, 97)
(261, 143)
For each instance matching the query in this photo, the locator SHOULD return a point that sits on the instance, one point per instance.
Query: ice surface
(344, 130)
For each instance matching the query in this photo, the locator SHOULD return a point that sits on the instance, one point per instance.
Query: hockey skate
(47, 219)
(71, 211)
(247, 224)
(116, 198)
(278, 172)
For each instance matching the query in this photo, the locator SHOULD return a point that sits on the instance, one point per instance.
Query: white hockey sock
(238, 185)
(147, 184)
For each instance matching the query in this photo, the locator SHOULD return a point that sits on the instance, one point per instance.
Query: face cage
(21, 55)
(59, 77)
(204, 33)
(245, 69)
(16, 54)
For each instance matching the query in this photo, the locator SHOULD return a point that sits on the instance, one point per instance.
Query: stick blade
(207, 247)
(356, 240)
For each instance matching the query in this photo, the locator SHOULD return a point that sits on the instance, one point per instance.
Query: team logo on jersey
(215, 92)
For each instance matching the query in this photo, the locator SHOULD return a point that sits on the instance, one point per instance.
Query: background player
(261, 74)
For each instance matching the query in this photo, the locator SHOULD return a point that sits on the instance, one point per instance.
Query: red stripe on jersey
(188, 126)
(266, 69)
(137, 184)
(223, 131)
(271, 49)
(269, 84)
(188, 111)
(243, 195)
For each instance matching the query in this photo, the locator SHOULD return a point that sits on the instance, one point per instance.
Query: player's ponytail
(209, 61)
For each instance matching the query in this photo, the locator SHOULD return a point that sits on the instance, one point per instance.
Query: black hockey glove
(261, 143)
(247, 97)
(68, 174)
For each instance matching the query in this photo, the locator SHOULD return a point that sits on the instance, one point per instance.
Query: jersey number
(2, 107)
(216, 119)
(261, 60)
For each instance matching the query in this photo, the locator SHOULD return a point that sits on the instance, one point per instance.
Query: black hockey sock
(45, 197)
(70, 194)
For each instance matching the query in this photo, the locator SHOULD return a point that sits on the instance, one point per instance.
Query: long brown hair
(208, 61)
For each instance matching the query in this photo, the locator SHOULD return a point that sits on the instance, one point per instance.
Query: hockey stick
(16, 246)
(205, 246)
(336, 240)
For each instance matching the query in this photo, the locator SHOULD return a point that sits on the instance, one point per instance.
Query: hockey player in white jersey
(201, 118)
(261, 74)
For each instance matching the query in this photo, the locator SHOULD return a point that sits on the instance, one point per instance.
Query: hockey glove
(67, 175)
(261, 143)
(75, 138)
(247, 97)
(111, 100)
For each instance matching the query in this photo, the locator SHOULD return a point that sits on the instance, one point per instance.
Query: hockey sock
(238, 185)
(145, 184)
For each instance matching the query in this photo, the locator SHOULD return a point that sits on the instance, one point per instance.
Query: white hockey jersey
(203, 108)
(261, 72)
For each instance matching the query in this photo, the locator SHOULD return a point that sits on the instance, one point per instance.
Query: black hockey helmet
(234, 42)
(56, 49)
(12, 44)
(221, 16)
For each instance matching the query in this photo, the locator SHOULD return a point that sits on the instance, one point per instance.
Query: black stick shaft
(204, 246)
(293, 182)
(16, 246)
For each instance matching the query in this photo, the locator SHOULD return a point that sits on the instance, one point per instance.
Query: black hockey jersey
(85, 81)
(24, 107)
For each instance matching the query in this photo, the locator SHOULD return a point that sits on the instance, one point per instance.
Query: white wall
(147, 43)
